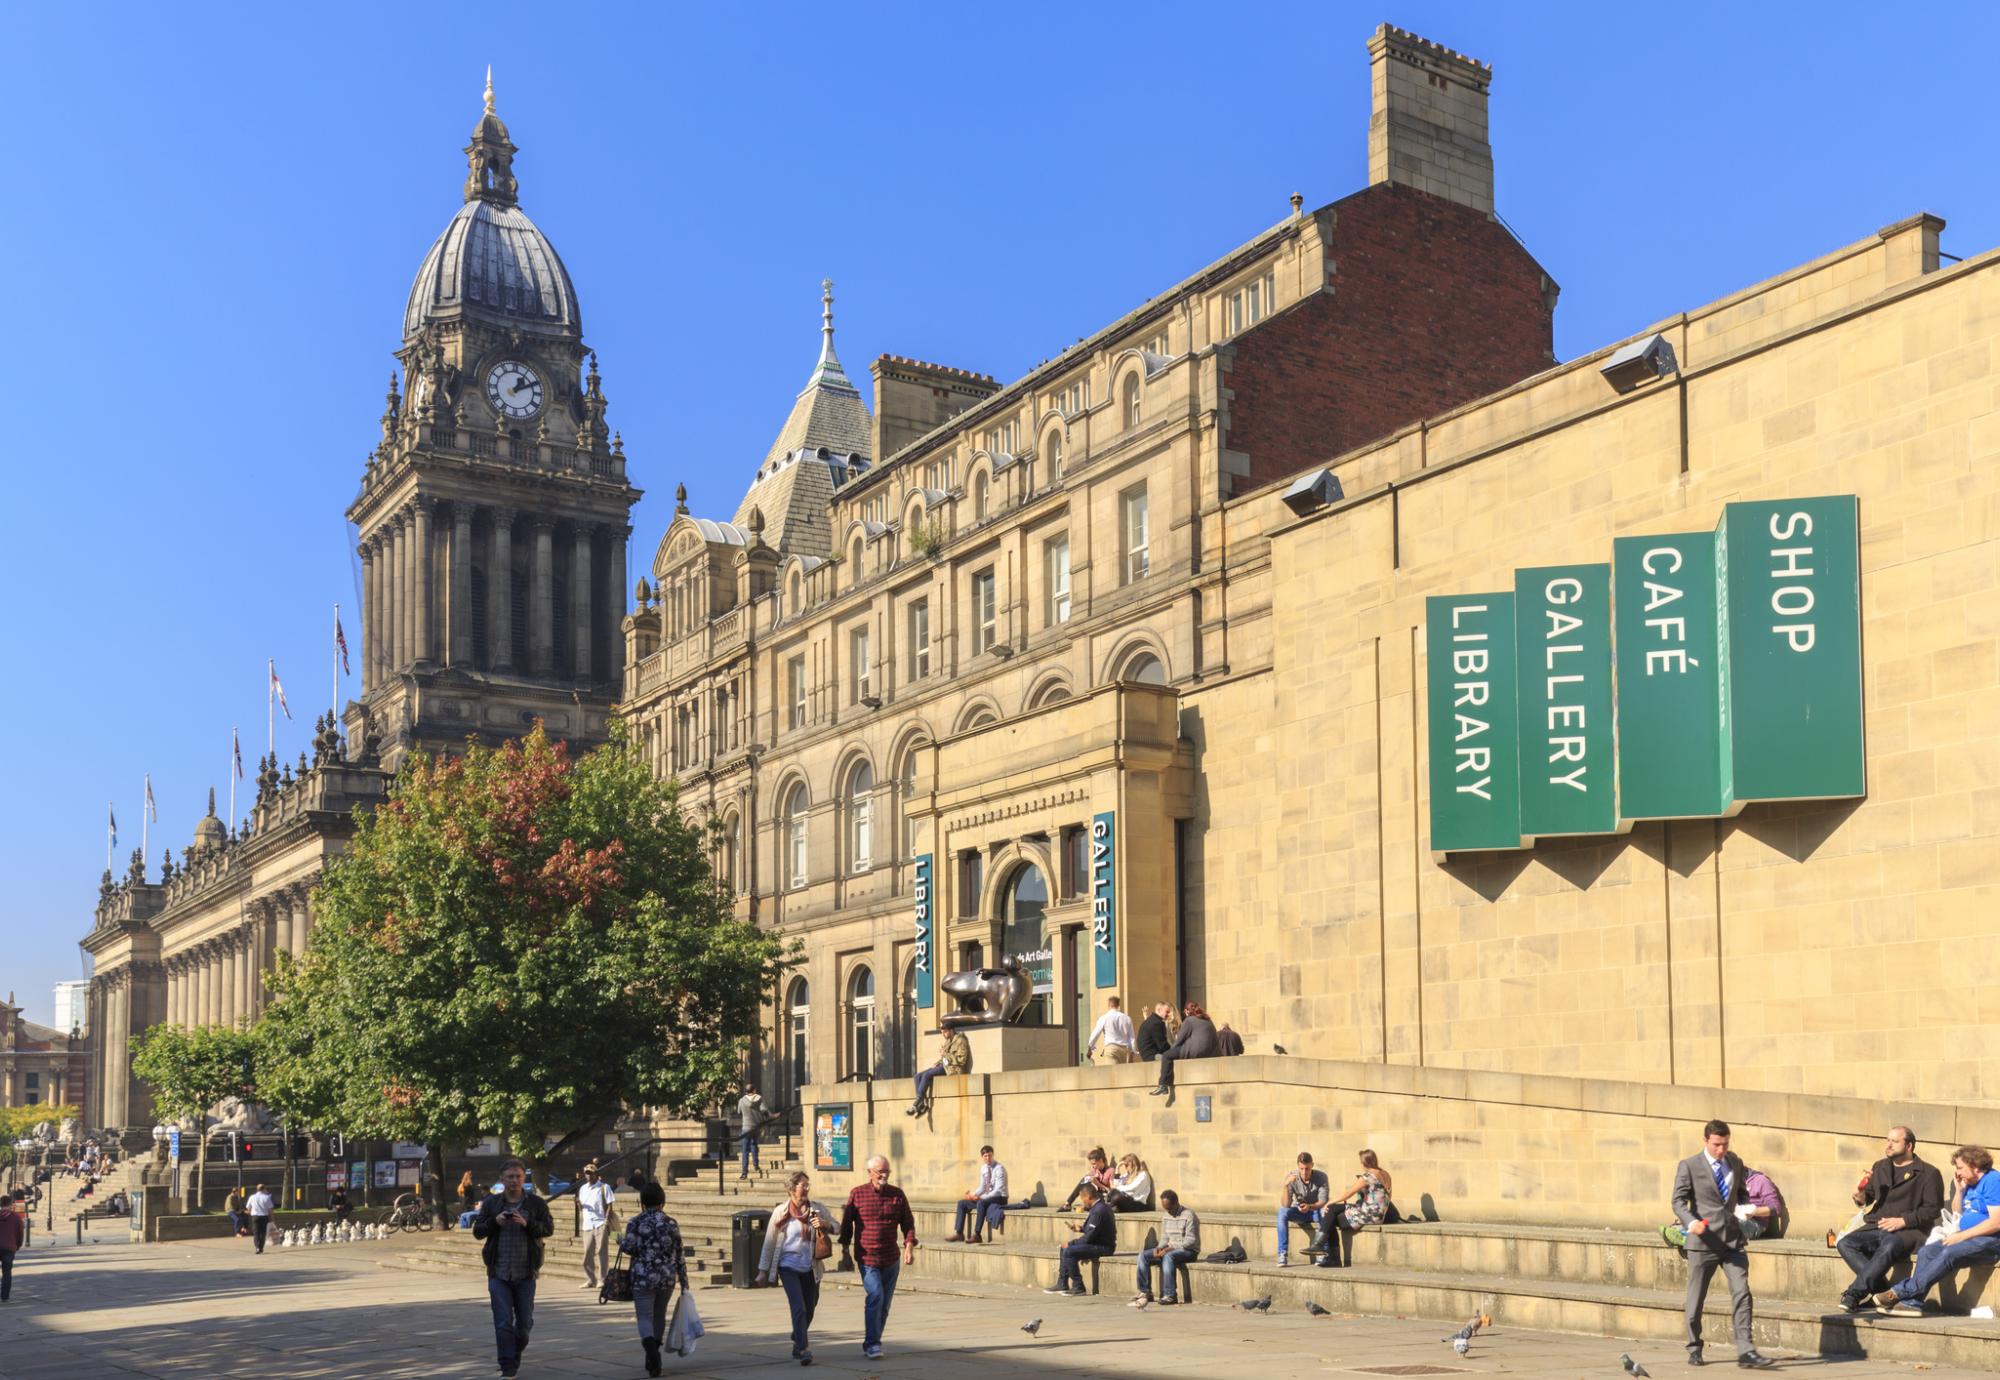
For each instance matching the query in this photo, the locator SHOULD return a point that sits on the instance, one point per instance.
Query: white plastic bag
(685, 1329)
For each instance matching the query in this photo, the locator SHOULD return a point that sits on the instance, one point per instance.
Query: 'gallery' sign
(1697, 673)
(1104, 897)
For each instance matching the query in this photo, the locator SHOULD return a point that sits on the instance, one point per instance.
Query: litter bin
(746, 1243)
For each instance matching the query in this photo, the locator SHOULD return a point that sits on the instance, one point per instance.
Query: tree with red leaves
(517, 943)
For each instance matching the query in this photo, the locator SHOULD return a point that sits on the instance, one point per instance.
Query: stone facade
(40, 1067)
(978, 646)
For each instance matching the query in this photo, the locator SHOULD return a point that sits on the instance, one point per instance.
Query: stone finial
(680, 500)
(489, 89)
(166, 865)
(285, 781)
(642, 592)
(136, 874)
(1298, 204)
(618, 444)
(757, 525)
(302, 763)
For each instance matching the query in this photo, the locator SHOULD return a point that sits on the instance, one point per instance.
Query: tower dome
(211, 832)
(492, 261)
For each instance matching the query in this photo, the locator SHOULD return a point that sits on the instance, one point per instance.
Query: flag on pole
(236, 753)
(152, 810)
(340, 640)
(278, 689)
(112, 811)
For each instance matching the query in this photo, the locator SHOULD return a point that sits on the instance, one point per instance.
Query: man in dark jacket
(1196, 1041)
(1097, 1235)
(1153, 1034)
(1907, 1195)
(513, 1224)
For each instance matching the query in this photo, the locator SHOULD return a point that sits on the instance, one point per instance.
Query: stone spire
(491, 157)
(827, 370)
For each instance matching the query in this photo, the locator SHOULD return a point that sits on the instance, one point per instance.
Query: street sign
(173, 1145)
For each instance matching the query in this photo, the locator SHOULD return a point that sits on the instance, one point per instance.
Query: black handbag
(617, 1286)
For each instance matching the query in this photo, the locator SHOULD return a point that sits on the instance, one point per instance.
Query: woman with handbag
(796, 1246)
(653, 1240)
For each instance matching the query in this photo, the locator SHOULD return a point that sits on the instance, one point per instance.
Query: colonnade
(220, 981)
(410, 614)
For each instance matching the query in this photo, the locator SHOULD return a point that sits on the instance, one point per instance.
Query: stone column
(580, 604)
(207, 1009)
(421, 587)
(500, 649)
(121, 1055)
(459, 616)
(287, 940)
(615, 537)
(392, 595)
(302, 916)
(370, 598)
(541, 601)
(246, 972)
(406, 589)
(226, 972)
(176, 989)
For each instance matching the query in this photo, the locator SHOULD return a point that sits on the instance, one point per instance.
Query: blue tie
(1721, 1181)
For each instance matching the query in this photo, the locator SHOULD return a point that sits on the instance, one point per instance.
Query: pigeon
(1316, 1310)
(1262, 1305)
(1277, 1048)
(1033, 1329)
(1461, 1340)
(1632, 1367)
(1461, 1345)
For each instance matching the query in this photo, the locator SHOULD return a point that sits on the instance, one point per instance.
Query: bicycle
(408, 1214)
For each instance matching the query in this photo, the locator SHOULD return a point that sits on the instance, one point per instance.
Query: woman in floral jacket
(653, 1240)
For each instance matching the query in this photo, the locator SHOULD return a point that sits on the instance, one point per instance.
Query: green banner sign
(1794, 591)
(1475, 757)
(1104, 897)
(1562, 637)
(926, 944)
(1672, 752)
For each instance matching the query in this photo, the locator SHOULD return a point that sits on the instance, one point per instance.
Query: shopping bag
(685, 1329)
(617, 1287)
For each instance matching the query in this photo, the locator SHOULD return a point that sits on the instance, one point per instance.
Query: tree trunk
(200, 1163)
(439, 1206)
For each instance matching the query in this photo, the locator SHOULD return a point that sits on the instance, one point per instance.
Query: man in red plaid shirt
(875, 1212)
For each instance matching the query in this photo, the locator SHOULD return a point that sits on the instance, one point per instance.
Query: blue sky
(212, 218)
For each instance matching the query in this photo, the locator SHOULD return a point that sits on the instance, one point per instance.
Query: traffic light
(229, 1142)
(249, 1150)
(336, 1145)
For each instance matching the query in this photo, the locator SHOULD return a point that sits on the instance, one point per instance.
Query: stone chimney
(1428, 126)
(913, 398)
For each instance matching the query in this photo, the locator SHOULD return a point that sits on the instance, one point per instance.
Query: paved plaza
(213, 1309)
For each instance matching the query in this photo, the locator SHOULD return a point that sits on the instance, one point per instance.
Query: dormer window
(1131, 404)
(1249, 304)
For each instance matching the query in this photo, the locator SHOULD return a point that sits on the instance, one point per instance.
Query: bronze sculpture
(988, 996)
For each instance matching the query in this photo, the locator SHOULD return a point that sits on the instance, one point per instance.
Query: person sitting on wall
(1227, 1042)
(1178, 1243)
(984, 1202)
(1097, 1174)
(1097, 1235)
(1195, 1041)
(954, 1056)
(1975, 1242)
(1302, 1199)
(1901, 1197)
(1132, 1187)
(1153, 1039)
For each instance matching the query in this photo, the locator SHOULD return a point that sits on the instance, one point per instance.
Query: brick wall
(1433, 304)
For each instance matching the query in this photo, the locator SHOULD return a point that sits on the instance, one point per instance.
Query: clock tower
(493, 514)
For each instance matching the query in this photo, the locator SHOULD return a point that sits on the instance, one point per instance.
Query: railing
(648, 1147)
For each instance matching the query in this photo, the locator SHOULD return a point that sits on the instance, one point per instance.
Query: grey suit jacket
(1695, 1196)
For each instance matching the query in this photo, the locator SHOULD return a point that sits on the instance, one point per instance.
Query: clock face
(514, 389)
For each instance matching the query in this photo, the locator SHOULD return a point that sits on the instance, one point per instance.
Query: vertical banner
(926, 927)
(1672, 752)
(1794, 589)
(1562, 637)
(1475, 759)
(1104, 897)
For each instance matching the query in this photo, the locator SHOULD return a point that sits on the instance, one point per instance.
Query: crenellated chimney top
(1428, 126)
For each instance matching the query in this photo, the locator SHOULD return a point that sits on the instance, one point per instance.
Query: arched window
(731, 850)
(1026, 901)
(796, 802)
(1055, 456)
(795, 592)
(980, 487)
(1131, 400)
(861, 1021)
(903, 1046)
(906, 779)
(798, 1022)
(854, 556)
(1146, 669)
(860, 818)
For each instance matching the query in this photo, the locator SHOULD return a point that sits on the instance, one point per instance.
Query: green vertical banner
(1666, 613)
(926, 946)
(1793, 584)
(1562, 637)
(1104, 896)
(1475, 783)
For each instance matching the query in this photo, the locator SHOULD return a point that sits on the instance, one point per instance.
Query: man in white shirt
(985, 1200)
(593, 1201)
(260, 1207)
(1114, 1031)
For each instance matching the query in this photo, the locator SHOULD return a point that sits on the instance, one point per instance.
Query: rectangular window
(920, 639)
(1074, 399)
(795, 673)
(34, 1079)
(1075, 860)
(983, 612)
(1249, 304)
(1003, 439)
(857, 658)
(968, 882)
(1135, 534)
(1056, 563)
(1158, 346)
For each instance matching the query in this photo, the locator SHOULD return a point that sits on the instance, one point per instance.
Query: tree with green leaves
(517, 942)
(190, 1072)
(17, 1122)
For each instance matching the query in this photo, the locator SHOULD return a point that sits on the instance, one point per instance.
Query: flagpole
(110, 832)
(336, 659)
(234, 752)
(145, 800)
(271, 706)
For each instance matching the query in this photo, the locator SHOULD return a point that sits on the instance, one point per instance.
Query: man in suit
(1708, 1188)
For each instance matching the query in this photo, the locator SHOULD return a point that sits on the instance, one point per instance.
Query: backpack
(1232, 1254)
